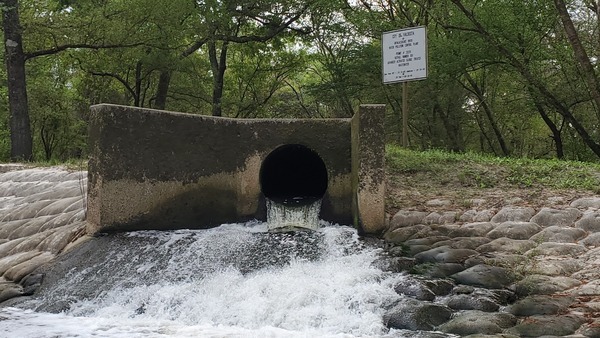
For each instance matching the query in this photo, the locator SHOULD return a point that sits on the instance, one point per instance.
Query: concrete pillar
(368, 174)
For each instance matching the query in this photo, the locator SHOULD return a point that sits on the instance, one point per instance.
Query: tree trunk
(137, 92)
(488, 112)
(452, 127)
(20, 128)
(218, 70)
(580, 53)
(556, 133)
(162, 89)
(550, 98)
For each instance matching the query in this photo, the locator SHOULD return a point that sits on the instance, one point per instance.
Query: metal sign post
(404, 55)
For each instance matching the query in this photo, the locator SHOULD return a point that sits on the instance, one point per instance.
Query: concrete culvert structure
(161, 170)
(293, 174)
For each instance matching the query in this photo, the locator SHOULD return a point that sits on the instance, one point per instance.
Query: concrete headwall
(153, 169)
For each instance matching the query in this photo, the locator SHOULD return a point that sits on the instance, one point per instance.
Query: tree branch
(62, 48)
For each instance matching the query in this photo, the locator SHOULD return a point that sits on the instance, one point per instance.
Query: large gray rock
(556, 217)
(472, 302)
(10, 261)
(402, 234)
(19, 271)
(507, 245)
(586, 203)
(466, 297)
(491, 277)
(413, 314)
(395, 264)
(468, 216)
(478, 322)
(591, 329)
(515, 230)
(554, 266)
(11, 227)
(592, 240)
(559, 234)
(414, 288)
(25, 211)
(516, 214)
(536, 326)
(445, 254)
(590, 222)
(446, 217)
(557, 249)
(541, 305)
(404, 218)
(438, 270)
(484, 215)
(592, 288)
(544, 285)
(440, 287)
(9, 290)
(474, 229)
(463, 242)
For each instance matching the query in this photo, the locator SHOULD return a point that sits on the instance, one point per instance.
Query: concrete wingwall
(152, 169)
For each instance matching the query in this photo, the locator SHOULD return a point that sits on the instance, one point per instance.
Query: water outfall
(293, 180)
(160, 170)
(293, 175)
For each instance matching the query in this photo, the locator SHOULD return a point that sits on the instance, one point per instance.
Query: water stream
(236, 280)
(290, 216)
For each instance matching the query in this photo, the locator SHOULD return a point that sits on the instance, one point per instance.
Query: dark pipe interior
(293, 174)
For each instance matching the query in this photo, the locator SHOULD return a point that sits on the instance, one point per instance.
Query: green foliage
(484, 171)
(58, 130)
(326, 62)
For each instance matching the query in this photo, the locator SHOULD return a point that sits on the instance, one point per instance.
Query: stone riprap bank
(153, 169)
(42, 212)
(512, 271)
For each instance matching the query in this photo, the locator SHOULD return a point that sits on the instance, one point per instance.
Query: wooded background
(506, 77)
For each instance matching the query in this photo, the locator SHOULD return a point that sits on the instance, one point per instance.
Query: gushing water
(293, 216)
(237, 280)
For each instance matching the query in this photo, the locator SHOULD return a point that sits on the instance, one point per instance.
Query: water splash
(290, 216)
(234, 280)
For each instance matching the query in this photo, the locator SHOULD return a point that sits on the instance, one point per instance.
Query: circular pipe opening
(293, 174)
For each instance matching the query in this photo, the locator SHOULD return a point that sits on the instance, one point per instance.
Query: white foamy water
(237, 280)
(280, 216)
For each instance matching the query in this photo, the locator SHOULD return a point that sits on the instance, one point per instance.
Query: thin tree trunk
(137, 93)
(218, 70)
(556, 133)
(531, 79)
(162, 89)
(452, 129)
(580, 53)
(488, 113)
(20, 129)
(164, 81)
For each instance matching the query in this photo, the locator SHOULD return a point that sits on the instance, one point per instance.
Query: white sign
(404, 54)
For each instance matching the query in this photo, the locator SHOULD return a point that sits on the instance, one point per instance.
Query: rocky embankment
(512, 271)
(42, 211)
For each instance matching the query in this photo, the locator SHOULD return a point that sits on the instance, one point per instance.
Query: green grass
(477, 170)
(71, 164)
